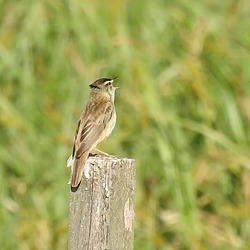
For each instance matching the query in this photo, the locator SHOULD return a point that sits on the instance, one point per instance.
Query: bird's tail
(70, 161)
(77, 170)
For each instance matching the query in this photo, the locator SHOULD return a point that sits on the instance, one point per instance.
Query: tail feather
(70, 161)
(77, 170)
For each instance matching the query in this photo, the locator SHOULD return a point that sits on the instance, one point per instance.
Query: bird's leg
(101, 152)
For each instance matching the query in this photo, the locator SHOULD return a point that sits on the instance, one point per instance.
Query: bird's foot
(90, 154)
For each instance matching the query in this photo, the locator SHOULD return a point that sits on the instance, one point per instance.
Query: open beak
(113, 81)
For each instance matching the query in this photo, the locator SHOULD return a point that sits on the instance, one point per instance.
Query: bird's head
(104, 85)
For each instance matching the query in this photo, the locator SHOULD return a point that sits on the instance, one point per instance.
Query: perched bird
(95, 124)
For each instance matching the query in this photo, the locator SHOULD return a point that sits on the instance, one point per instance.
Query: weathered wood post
(102, 209)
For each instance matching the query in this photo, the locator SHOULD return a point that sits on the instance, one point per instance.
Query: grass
(183, 114)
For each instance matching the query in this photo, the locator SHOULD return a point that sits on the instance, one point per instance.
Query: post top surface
(107, 158)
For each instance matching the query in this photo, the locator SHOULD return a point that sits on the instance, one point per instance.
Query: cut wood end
(95, 158)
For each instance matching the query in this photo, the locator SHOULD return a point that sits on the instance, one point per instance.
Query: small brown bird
(95, 125)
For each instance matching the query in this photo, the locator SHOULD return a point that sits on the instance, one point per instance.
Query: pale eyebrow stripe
(111, 81)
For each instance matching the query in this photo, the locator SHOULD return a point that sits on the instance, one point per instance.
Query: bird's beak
(115, 88)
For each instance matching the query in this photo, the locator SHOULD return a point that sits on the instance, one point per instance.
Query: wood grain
(102, 209)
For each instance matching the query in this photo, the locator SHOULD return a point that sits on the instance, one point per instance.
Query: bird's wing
(90, 126)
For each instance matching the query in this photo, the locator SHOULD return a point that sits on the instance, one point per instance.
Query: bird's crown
(100, 83)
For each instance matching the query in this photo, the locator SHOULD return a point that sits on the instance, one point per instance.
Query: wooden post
(102, 209)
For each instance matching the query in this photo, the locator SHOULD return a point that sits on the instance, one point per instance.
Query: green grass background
(183, 114)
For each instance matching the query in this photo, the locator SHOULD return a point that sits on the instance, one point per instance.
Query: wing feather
(90, 127)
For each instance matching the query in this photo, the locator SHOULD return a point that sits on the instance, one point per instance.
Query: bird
(95, 125)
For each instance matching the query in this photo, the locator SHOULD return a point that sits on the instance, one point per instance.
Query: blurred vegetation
(183, 114)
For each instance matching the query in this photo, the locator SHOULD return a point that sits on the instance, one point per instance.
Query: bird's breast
(111, 123)
(109, 127)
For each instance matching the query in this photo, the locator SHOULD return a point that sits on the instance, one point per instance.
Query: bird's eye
(93, 87)
(108, 83)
